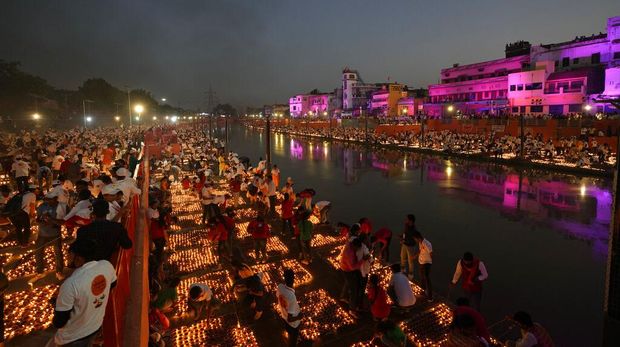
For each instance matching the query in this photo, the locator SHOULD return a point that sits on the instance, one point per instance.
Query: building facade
(580, 75)
(313, 104)
(356, 94)
(384, 102)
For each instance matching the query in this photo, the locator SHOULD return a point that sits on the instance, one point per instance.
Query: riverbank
(516, 162)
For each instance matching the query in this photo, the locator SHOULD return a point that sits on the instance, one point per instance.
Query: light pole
(84, 101)
(268, 137)
(129, 104)
(139, 109)
(225, 133)
(329, 124)
(366, 124)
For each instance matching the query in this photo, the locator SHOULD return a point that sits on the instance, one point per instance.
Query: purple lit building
(313, 104)
(580, 75)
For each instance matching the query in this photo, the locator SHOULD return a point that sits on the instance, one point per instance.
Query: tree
(225, 109)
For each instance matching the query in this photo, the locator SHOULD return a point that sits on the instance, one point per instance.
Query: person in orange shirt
(275, 175)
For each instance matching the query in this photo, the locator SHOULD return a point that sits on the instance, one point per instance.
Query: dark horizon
(255, 53)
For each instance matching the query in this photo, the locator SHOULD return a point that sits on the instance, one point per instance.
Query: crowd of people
(580, 151)
(70, 187)
(78, 187)
(226, 183)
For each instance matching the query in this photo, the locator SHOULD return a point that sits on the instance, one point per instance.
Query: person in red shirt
(381, 244)
(64, 166)
(365, 226)
(260, 233)
(186, 183)
(157, 229)
(235, 189)
(350, 266)
(379, 305)
(230, 224)
(221, 237)
(343, 230)
(463, 308)
(287, 215)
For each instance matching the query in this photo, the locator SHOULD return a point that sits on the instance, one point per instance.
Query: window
(519, 87)
(528, 86)
(556, 109)
(522, 109)
(557, 63)
(616, 55)
(536, 109)
(565, 62)
(596, 58)
(537, 86)
(576, 84)
(574, 108)
(515, 109)
(513, 87)
(563, 85)
(575, 61)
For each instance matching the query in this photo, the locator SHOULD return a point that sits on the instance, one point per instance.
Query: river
(545, 251)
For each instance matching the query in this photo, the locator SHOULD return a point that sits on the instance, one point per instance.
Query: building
(356, 94)
(384, 101)
(413, 103)
(581, 75)
(474, 88)
(312, 104)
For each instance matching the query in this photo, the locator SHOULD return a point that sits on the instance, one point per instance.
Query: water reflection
(580, 208)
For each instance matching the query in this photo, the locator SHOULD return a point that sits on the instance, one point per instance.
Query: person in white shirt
(62, 193)
(399, 288)
(425, 259)
(288, 307)
(56, 162)
(209, 201)
(271, 194)
(83, 297)
(201, 300)
(126, 185)
(112, 194)
(80, 214)
(21, 170)
(323, 207)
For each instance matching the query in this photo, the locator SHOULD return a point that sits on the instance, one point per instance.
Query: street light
(36, 116)
(117, 118)
(450, 108)
(139, 109)
(588, 108)
(89, 119)
(154, 118)
(163, 99)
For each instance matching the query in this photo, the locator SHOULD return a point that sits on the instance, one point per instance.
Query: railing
(113, 322)
(126, 318)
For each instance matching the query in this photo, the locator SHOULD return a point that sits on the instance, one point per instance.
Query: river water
(545, 251)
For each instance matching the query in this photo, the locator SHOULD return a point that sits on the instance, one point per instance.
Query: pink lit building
(474, 88)
(557, 78)
(313, 104)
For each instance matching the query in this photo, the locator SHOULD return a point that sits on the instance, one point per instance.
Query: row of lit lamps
(139, 109)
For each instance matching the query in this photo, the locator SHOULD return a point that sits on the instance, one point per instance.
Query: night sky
(256, 52)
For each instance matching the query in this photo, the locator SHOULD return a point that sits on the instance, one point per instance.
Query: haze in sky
(257, 52)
